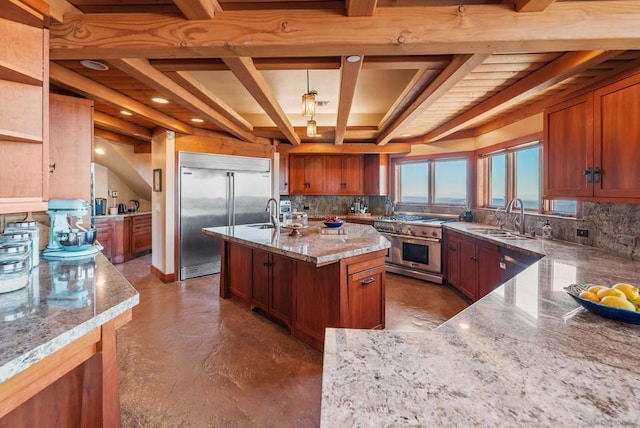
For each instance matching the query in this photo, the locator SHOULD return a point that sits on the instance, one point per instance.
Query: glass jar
(295, 220)
(16, 251)
(23, 238)
(14, 274)
(33, 229)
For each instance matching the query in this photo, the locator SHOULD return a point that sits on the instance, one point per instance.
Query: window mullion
(432, 183)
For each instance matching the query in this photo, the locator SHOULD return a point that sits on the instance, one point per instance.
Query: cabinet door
(70, 147)
(281, 291)
(284, 174)
(140, 233)
(333, 182)
(365, 299)
(568, 148)
(238, 276)
(468, 268)
(617, 139)
(260, 279)
(297, 183)
(352, 173)
(104, 235)
(314, 174)
(453, 259)
(376, 170)
(488, 268)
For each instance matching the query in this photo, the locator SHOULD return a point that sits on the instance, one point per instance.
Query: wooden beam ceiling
(460, 66)
(611, 25)
(554, 72)
(198, 9)
(91, 89)
(349, 73)
(254, 82)
(361, 7)
(59, 8)
(141, 70)
(120, 126)
(119, 138)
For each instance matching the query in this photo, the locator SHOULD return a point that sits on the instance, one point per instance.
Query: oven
(416, 246)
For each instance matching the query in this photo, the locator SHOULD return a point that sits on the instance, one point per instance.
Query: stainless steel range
(416, 245)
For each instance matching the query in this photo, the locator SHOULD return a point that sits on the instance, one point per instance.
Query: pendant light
(309, 102)
(311, 128)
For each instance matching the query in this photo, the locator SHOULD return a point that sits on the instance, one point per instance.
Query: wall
(163, 219)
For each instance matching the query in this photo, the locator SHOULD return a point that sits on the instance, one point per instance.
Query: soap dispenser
(547, 231)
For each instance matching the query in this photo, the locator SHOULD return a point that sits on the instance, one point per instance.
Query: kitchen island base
(304, 296)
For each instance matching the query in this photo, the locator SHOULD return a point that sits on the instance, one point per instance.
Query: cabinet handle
(596, 175)
(453, 249)
(267, 264)
(52, 167)
(368, 281)
(588, 173)
(474, 258)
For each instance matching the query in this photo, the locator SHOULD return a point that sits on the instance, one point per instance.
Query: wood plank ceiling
(385, 71)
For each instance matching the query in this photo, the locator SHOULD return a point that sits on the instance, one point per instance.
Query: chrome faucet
(274, 217)
(518, 222)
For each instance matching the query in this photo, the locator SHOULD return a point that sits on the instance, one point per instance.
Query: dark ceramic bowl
(334, 224)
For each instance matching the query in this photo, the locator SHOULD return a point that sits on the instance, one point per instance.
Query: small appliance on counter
(66, 242)
(101, 206)
(122, 208)
(134, 206)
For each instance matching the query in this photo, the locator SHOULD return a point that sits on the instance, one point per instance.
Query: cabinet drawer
(367, 264)
(141, 243)
(141, 221)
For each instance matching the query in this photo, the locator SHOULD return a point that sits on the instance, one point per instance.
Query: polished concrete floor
(191, 359)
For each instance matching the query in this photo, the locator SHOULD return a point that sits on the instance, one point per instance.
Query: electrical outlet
(582, 232)
(114, 193)
(306, 208)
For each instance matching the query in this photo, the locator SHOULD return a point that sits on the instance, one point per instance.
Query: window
(515, 173)
(441, 181)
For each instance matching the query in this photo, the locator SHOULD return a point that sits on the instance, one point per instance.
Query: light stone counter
(64, 301)
(311, 247)
(521, 356)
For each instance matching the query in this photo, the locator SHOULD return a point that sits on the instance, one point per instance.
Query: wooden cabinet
(326, 174)
(376, 174)
(343, 175)
(590, 146)
(140, 234)
(70, 147)
(124, 237)
(306, 174)
(473, 265)
(24, 117)
(271, 284)
(283, 170)
(307, 298)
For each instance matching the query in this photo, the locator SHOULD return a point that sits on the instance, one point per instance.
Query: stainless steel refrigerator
(217, 190)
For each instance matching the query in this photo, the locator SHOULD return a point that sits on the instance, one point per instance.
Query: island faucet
(518, 221)
(274, 217)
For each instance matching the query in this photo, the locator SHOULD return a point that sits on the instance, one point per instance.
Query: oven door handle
(411, 237)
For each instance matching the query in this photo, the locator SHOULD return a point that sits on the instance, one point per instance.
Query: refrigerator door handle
(231, 200)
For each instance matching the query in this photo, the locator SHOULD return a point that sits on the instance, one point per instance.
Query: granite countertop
(520, 356)
(63, 301)
(124, 214)
(312, 246)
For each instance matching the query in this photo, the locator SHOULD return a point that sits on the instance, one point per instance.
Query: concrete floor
(191, 359)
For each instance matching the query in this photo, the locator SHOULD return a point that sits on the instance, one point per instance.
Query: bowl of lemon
(620, 302)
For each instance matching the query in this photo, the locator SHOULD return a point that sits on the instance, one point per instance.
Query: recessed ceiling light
(160, 100)
(126, 113)
(353, 58)
(405, 135)
(94, 65)
(99, 150)
(197, 120)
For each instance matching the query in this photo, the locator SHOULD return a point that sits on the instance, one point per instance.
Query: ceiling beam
(545, 77)
(349, 73)
(96, 91)
(361, 7)
(118, 125)
(352, 148)
(198, 9)
(59, 8)
(610, 25)
(460, 66)
(532, 5)
(216, 64)
(117, 137)
(254, 82)
(141, 70)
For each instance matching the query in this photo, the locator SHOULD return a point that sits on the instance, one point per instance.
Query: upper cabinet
(591, 145)
(326, 174)
(24, 85)
(376, 174)
(283, 175)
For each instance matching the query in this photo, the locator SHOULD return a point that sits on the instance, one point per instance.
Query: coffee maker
(66, 242)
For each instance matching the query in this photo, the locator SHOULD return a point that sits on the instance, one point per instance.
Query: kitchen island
(521, 356)
(324, 278)
(58, 362)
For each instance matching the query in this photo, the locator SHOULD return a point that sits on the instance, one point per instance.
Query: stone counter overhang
(521, 356)
(312, 246)
(46, 325)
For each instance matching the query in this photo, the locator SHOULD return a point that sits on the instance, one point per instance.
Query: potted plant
(467, 214)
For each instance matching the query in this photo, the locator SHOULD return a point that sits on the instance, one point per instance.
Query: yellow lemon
(618, 302)
(588, 295)
(629, 290)
(595, 288)
(610, 292)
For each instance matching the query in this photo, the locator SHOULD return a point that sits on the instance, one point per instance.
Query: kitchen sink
(499, 233)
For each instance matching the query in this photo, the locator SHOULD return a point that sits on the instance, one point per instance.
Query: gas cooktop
(402, 218)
